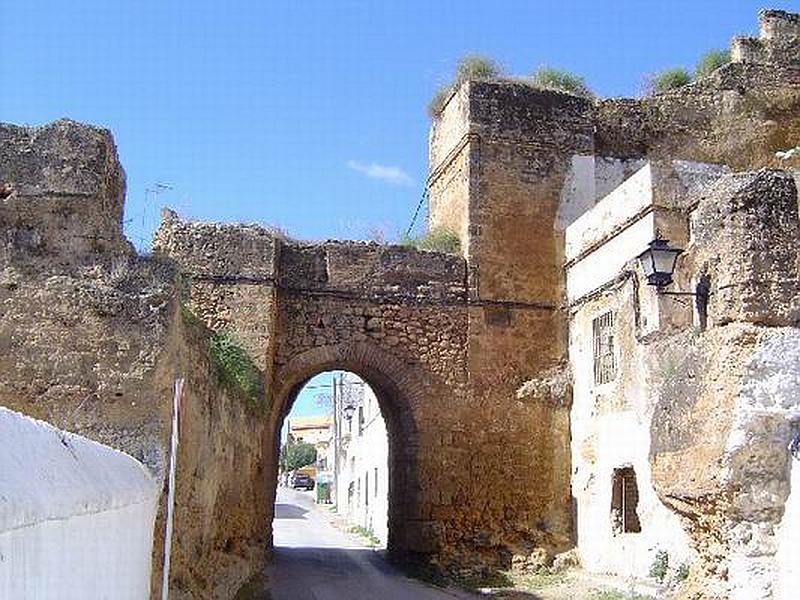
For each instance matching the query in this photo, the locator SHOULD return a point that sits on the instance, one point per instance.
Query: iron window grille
(605, 361)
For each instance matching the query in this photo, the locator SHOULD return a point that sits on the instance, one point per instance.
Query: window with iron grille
(605, 362)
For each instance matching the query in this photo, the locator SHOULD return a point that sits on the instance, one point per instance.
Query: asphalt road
(316, 561)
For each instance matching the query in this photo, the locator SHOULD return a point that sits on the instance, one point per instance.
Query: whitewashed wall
(611, 429)
(764, 545)
(76, 517)
(366, 466)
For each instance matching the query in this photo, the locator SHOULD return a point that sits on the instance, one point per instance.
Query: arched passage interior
(396, 388)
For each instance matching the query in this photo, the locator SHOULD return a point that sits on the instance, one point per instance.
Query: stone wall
(402, 320)
(227, 276)
(779, 35)
(66, 189)
(221, 508)
(83, 325)
(513, 156)
(392, 314)
(449, 157)
(739, 115)
(746, 232)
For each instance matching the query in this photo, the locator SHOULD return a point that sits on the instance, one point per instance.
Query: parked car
(301, 480)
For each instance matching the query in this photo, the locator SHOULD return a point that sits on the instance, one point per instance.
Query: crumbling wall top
(61, 158)
(373, 270)
(516, 111)
(746, 227)
(221, 250)
(62, 189)
(243, 252)
(778, 40)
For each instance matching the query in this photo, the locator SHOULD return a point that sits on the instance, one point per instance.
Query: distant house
(314, 430)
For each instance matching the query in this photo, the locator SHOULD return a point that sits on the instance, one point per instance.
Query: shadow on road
(289, 511)
(513, 595)
(310, 573)
(315, 573)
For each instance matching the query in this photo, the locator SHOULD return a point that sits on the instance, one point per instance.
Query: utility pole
(334, 483)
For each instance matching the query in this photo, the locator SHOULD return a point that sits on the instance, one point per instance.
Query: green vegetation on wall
(470, 67)
(671, 79)
(439, 239)
(668, 79)
(660, 565)
(235, 367)
(711, 61)
(551, 78)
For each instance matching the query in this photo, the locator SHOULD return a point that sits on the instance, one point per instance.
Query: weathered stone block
(746, 231)
(64, 190)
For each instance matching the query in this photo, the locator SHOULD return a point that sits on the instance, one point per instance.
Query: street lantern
(348, 410)
(658, 263)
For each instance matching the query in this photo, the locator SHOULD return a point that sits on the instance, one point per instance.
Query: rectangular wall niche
(605, 362)
(624, 501)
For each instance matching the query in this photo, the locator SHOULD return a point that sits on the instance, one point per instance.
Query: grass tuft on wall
(235, 367)
(439, 239)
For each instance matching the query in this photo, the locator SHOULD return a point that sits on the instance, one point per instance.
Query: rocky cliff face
(728, 405)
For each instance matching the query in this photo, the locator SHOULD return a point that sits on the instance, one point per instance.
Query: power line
(416, 212)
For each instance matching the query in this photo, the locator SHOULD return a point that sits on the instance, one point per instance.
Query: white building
(361, 448)
(621, 523)
(76, 517)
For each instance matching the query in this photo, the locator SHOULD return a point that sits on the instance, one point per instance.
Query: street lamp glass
(658, 262)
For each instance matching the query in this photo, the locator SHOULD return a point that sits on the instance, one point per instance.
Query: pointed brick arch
(398, 386)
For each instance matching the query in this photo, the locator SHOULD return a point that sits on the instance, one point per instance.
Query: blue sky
(310, 115)
(307, 404)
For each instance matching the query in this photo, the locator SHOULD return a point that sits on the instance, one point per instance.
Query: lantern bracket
(663, 292)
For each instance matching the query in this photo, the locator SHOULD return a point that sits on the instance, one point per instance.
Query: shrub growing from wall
(668, 79)
(711, 61)
(470, 67)
(551, 78)
(235, 367)
(438, 239)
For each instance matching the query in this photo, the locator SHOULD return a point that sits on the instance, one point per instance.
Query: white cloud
(389, 174)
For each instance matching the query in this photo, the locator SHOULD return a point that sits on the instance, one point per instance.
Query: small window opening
(375, 479)
(605, 362)
(366, 488)
(624, 502)
(360, 420)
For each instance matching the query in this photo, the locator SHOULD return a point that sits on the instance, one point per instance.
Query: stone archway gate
(474, 471)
